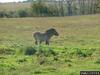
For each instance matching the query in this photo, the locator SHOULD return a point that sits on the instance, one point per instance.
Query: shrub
(41, 9)
(12, 14)
(2, 14)
(23, 13)
(50, 52)
(7, 50)
(81, 52)
(29, 51)
(76, 52)
(8, 14)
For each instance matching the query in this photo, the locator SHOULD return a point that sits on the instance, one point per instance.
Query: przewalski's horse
(44, 37)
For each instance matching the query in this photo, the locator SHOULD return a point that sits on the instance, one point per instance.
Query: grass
(77, 47)
(81, 31)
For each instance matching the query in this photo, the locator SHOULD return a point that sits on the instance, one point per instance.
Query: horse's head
(55, 32)
(52, 31)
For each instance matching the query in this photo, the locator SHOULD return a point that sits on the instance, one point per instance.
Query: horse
(44, 37)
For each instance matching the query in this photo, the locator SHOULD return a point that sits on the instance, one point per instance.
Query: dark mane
(51, 30)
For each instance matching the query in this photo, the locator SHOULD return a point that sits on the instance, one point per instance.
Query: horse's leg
(47, 42)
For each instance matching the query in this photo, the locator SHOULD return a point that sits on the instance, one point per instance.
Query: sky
(3, 1)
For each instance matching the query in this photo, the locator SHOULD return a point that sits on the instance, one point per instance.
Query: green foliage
(2, 14)
(7, 50)
(23, 13)
(81, 52)
(97, 5)
(42, 61)
(21, 60)
(29, 51)
(39, 9)
(46, 51)
(17, 13)
(7, 66)
(8, 14)
(50, 8)
(37, 72)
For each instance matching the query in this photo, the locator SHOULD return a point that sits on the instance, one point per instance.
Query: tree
(69, 3)
(97, 6)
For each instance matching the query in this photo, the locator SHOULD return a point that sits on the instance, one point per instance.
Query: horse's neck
(49, 35)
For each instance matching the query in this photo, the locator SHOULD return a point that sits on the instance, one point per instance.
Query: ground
(75, 49)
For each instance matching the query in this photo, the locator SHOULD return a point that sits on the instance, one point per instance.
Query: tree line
(56, 8)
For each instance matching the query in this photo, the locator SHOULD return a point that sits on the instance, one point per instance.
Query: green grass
(81, 31)
(77, 47)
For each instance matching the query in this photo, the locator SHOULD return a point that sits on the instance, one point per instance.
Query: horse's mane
(49, 31)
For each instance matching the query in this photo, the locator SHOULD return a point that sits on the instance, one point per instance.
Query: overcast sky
(11, 0)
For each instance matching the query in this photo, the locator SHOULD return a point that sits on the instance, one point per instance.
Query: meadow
(76, 48)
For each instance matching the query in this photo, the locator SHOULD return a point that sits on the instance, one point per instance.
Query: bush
(8, 14)
(12, 14)
(7, 50)
(15, 14)
(81, 52)
(29, 51)
(48, 52)
(2, 14)
(76, 52)
(41, 9)
(23, 13)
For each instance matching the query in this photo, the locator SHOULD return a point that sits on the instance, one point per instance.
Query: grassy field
(76, 48)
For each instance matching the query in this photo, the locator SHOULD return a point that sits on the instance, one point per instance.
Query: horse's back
(39, 36)
(36, 34)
